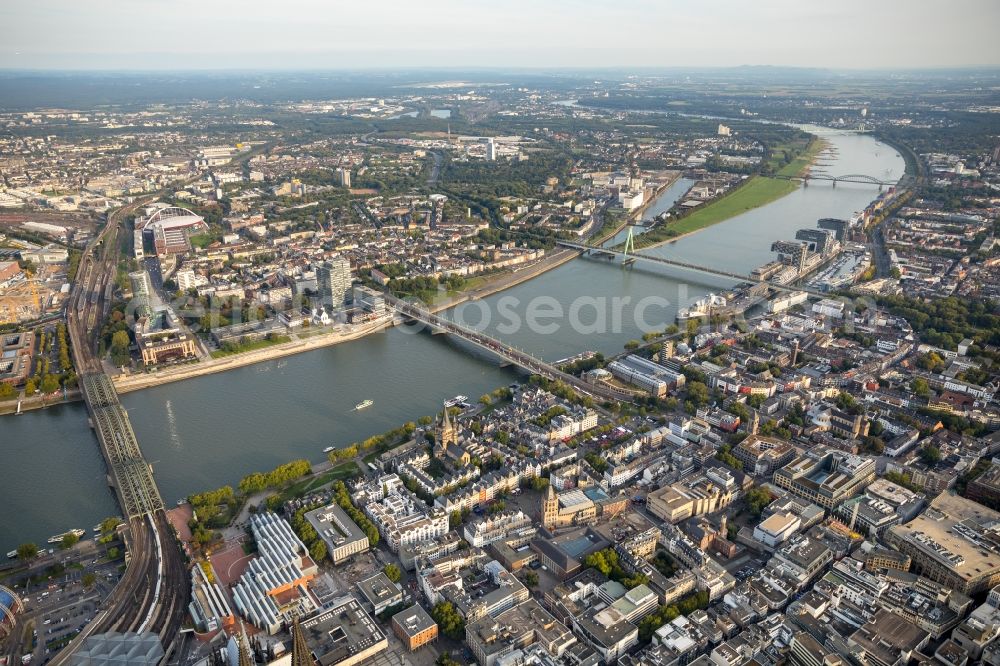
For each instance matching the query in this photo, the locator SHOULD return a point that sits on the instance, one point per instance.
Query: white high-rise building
(491, 150)
(333, 278)
(345, 177)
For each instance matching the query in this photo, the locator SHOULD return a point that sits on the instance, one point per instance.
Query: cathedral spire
(301, 656)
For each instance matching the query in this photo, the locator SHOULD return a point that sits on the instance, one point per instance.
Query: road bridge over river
(505, 352)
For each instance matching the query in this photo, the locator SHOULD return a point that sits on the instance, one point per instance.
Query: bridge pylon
(629, 246)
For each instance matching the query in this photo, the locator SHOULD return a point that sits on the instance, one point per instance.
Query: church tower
(550, 509)
(753, 423)
(447, 434)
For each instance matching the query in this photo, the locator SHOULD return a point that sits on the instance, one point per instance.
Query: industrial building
(116, 648)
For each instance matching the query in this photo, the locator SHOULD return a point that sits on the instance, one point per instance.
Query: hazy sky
(322, 34)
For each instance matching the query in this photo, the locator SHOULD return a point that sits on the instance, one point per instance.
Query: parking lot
(57, 606)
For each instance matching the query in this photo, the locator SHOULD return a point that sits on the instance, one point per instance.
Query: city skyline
(154, 35)
(453, 333)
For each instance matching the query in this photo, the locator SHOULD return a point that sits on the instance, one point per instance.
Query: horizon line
(582, 69)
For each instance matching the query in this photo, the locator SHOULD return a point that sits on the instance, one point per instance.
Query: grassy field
(758, 191)
(244, 347)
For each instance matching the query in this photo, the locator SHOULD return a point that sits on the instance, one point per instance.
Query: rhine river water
(213, 430)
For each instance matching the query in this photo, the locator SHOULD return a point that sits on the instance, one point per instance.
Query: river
(212, 430)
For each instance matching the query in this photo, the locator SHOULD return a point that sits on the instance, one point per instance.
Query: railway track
(152, 594)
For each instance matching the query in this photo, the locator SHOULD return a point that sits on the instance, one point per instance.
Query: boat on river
(59, 537)
(364, 404)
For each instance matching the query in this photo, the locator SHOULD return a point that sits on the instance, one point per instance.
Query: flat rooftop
(341, 632)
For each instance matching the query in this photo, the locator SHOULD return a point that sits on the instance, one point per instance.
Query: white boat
(456, 400)
(328, 449)
(364, 404)
(59, 537)
(12, 554)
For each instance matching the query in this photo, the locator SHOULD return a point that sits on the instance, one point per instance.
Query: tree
(69, 540)
(120, 340)
(531, 579)
(27, 551)
(119, 347)
(318, 550)
(757, 499)
(931, 361)
(50, 384)
(392, 572)
(449, 621)
(920, 387)
(692, 327)
(697, 393)
(88, 579)
(108, 525)
(930, 454)
(7, 391)
(30, 388)
(445, 659)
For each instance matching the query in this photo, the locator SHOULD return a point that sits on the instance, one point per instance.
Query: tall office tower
(491, 150)
(142, 293)
(345, 177)
(334, 280)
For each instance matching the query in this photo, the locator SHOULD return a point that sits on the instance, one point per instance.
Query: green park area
(231, 348)
(344, 471)
(757, 191)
